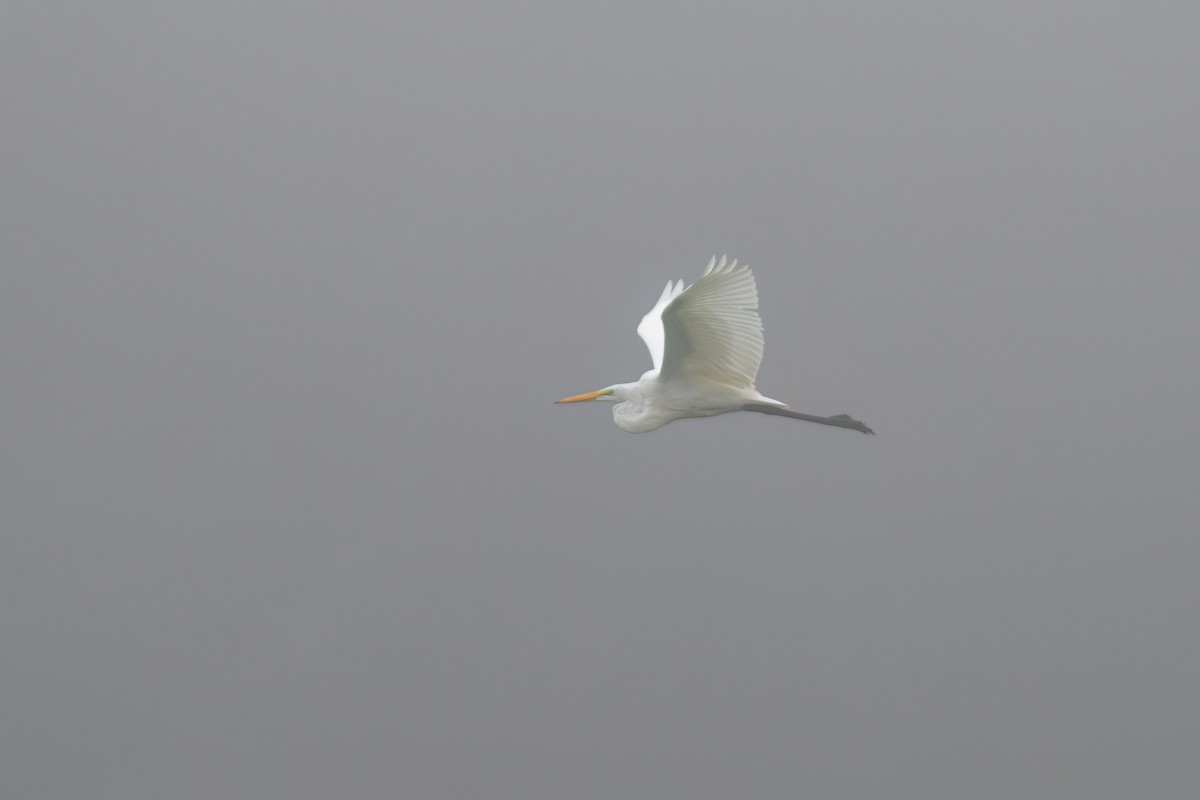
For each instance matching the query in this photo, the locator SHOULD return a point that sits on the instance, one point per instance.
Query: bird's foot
(848, 421)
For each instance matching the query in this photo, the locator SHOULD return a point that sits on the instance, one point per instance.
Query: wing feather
(711, 330)
(651, 327)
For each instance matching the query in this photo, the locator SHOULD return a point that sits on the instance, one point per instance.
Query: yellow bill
(580, 398)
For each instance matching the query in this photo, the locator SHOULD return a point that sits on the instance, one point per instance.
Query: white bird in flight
(706, 342)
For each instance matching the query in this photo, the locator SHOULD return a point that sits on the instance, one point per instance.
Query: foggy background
(288, 291)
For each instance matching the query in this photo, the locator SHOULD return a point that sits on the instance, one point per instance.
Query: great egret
(706, 342)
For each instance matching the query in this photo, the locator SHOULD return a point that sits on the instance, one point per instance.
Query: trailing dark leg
(837, 420)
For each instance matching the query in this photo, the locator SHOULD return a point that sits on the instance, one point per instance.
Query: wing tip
(665, 293)
(724, 267)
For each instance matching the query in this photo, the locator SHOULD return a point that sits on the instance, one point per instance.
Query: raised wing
(709, 331)
(651, 326)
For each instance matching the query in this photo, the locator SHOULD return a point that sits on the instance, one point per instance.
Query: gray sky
(289, 289)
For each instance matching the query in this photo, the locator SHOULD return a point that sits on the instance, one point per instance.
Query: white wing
(651, 326)
(709, 331)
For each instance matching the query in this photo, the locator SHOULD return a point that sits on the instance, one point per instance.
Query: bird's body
(706, 342)
(654, 401)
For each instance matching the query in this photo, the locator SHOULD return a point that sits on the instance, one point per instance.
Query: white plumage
(706, 342)
(713, 330)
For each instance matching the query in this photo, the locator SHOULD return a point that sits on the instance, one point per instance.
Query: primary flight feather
(706, 342)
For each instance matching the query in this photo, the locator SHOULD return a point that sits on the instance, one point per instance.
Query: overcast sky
(286, 510)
